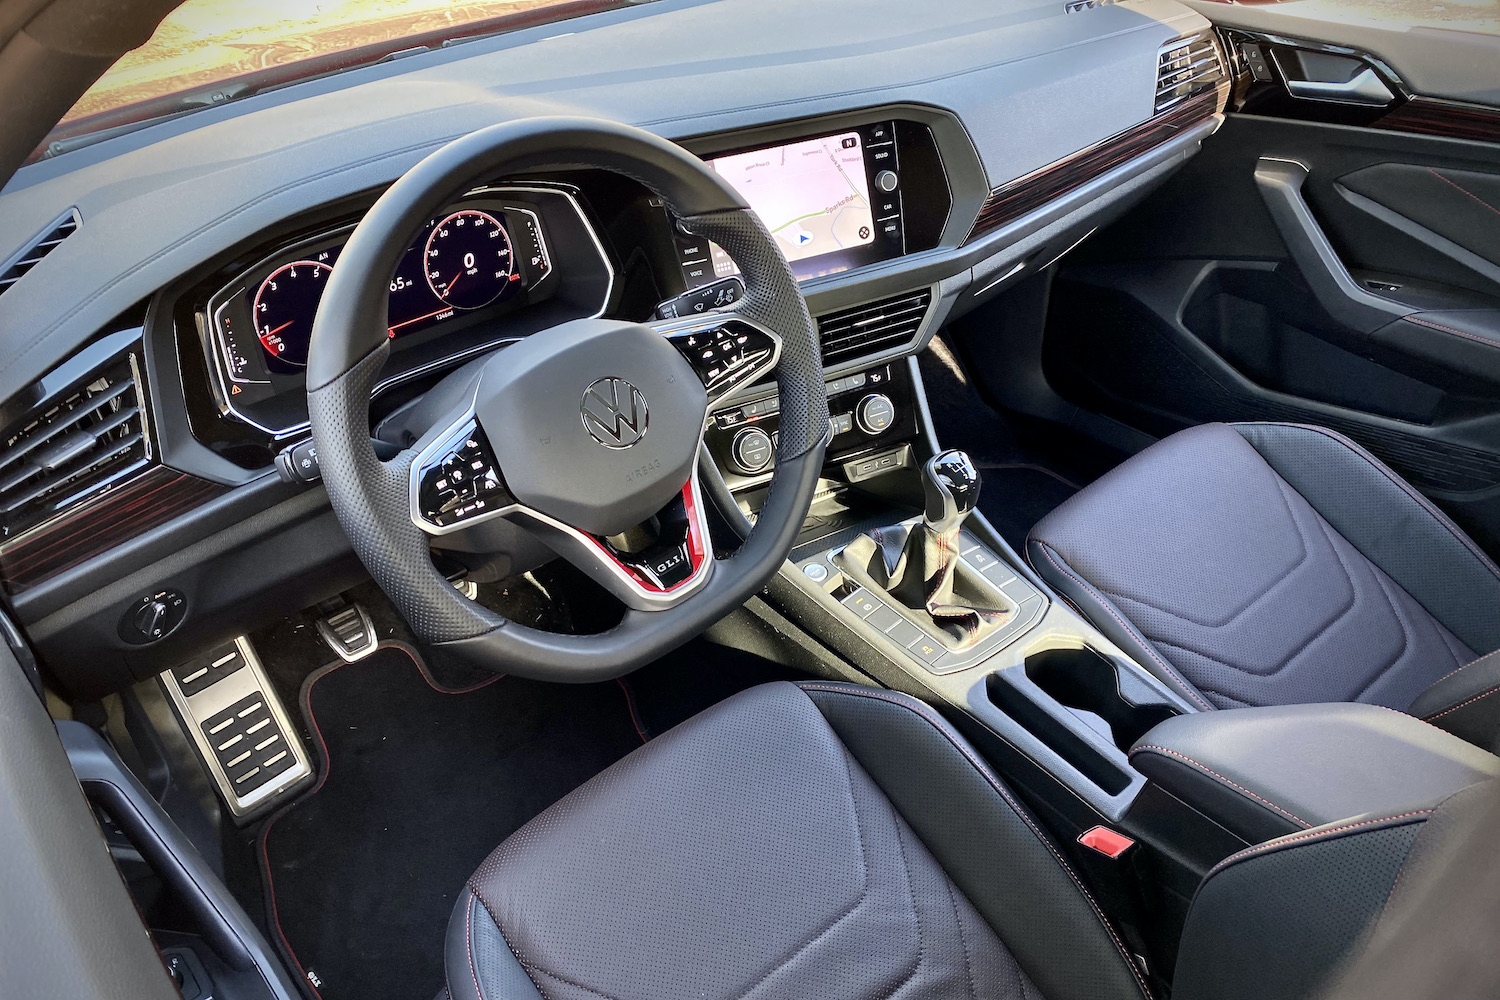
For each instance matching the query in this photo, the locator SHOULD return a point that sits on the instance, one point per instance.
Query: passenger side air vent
(72, 446)
(873, 327)
(1187, 67)
(31, 254)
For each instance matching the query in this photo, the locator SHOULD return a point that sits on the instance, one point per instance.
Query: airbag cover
(572, 438)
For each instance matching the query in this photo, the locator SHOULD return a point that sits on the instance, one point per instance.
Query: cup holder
(1060, 694)
(1086, 682)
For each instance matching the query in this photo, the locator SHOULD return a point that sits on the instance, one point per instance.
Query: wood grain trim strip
(150, 499)
(1445, 119)
(1026, 194)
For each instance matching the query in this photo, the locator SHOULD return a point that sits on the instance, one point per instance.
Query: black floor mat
(419, 786)
(1015, 497)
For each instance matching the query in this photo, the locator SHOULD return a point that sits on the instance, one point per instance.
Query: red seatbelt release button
(1106, 841)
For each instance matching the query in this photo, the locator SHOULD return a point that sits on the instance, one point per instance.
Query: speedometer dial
(284, 307)
(469, 260)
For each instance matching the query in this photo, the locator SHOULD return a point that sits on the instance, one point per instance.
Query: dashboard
(909, 162)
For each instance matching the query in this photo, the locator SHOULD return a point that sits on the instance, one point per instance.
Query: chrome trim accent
(214, 699)
(220, 300)
(576, 546)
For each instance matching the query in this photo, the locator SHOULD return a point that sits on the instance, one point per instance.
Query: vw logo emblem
(614, 412)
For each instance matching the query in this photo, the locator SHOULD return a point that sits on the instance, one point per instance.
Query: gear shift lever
(923, 576)
(951, 484)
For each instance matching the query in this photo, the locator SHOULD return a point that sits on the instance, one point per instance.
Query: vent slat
(30, 255)
(72, 446)
(1187, 67)
(875, 326)
(73, 411)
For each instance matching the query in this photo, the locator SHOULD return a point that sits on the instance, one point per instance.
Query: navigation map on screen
(812, 195)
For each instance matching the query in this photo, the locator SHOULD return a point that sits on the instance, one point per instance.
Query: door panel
(1322, 273)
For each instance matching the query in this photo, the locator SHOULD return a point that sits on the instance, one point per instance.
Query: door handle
(1280, 182)
(1365, 88)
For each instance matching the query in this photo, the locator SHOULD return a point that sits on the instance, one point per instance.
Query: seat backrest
(1338, 911)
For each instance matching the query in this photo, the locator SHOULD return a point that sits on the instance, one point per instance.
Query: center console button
(886, 181)
(875, 413)
(752, 451)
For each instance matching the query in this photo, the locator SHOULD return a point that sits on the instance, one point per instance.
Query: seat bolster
(1390, 523)
(1278, 919)
(479, 962)
(1466, 703)
(986, 841)
(1103, 615)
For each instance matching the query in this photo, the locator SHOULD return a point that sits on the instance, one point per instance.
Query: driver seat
(832, 841)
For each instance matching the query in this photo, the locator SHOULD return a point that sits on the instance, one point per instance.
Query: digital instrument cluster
(495, 254)
(469, 259)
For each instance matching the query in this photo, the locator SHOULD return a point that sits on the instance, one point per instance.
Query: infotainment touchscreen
(813, 195)
(832, 202)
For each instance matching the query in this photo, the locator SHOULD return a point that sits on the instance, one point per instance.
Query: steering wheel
(586, 434)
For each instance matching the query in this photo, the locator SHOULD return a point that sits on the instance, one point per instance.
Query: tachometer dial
(469, 260)
(284, 307)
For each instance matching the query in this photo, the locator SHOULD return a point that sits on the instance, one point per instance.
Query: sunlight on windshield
(208, 41)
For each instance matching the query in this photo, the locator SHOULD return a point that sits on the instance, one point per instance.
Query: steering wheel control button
(726, 355)
(714, 295)
(614, 412)
(461, 482)
(875, 413)
(153, 617)
(752, 451)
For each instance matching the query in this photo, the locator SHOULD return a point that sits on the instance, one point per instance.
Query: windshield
(209, 51)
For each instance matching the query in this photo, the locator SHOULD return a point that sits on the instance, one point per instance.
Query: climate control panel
(871, 410)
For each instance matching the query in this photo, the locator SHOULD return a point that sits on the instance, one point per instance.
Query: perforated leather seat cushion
(748, 853)
(1243, 592)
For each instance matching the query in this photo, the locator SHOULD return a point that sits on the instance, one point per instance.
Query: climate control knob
(875, 413)
(752, 451)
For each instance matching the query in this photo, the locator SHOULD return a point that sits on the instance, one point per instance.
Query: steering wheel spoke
(725, 350)
(654, 566)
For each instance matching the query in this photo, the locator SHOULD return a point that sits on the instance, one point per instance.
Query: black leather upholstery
(1266, 772)
(826, 842)
(1464, 703)
(1272, 564)
(1278, 919)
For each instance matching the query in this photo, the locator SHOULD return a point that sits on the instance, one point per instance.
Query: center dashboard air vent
(1186, 67)
(73, 445)
(31, 254)
(872, 328)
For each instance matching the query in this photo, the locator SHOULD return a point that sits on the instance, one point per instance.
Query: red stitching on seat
(1462, 704)
(1145, 644)
(1290, 839)
(937, 722)
(1208, 770)
(469, 945)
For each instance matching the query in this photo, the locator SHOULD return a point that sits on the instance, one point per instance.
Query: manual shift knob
(951, 484)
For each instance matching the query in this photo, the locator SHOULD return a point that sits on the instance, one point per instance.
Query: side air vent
(31, 254)
(1187, 67)
(73, 445)
(872, 327)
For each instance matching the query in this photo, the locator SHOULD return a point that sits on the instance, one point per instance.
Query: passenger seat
(1275, 564)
